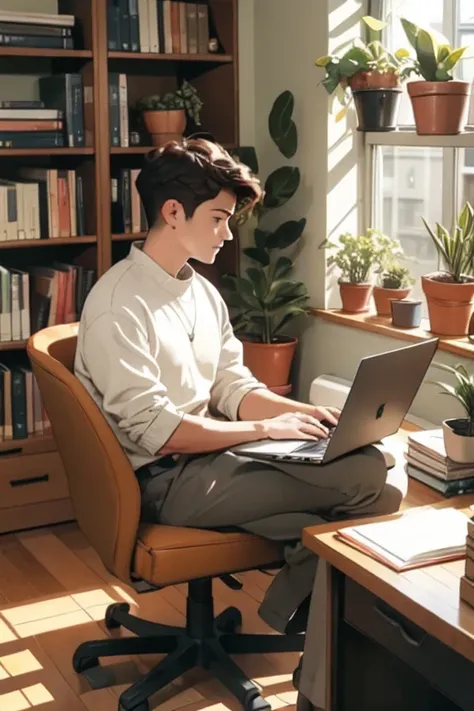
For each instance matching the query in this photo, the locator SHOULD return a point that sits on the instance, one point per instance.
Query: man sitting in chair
(157, 352)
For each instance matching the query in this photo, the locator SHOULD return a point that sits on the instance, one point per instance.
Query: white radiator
(332, 391)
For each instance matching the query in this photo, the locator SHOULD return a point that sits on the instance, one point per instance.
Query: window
(412, 179)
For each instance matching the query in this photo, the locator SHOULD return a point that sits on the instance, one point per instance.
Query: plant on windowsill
(395, 284)
(458, 432)
(165, 116)
(358, 258)
(450, 293)
(440, 103)
(267, 299)
(371, 75)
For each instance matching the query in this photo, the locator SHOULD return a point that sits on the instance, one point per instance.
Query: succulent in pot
(395, 284)
(458, 432)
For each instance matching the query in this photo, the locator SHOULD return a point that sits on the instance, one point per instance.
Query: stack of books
(36, 29)
(158, 26)
(467, 581)
(427, 462)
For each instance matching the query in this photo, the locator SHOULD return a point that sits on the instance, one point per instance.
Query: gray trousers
(275, 500)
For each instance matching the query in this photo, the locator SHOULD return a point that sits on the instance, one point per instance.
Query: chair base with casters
(206, 641)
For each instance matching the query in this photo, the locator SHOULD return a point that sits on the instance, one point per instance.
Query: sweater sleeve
(116, 354)
(233, 379)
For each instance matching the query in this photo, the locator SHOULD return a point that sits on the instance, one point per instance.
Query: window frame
(407, 136)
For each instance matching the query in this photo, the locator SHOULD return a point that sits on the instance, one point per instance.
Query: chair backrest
(104, 490)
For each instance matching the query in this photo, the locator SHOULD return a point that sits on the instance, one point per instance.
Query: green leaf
(287, 234)
(282, 267)
(322, 61)
(248, 155)
(332, 78)
(258, 255)
(453, 58)
(411, 31)
(281, 126)
(257, 277)
(373, 23)
(280, 186)
(261, 237)
(229, 282)
(427, 53)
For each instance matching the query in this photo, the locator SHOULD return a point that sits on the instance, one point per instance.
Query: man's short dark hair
(193, 171)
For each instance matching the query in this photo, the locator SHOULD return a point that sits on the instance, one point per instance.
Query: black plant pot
(377, 109)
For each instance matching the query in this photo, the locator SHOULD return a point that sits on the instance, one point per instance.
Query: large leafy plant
(266, 298)
(456, 248)
(462, 390)
(435, 58)
(363, 56)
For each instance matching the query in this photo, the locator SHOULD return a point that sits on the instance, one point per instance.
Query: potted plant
(358, 257)
(371, 75)
(440, 103)
(450, 293)
(458, 432)
(395, 284)
(267, 299)
(165, 116)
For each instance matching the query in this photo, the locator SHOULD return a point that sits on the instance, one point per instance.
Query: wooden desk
(408, 636)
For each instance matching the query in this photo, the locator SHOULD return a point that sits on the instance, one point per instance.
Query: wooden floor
(53, 594)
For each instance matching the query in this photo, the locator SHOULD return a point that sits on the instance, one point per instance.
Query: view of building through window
(411, 182)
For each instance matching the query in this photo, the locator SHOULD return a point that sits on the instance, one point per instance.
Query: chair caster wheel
(81, 663)
(143, 706)
(110, 622)
(229, 620)
(257, 704)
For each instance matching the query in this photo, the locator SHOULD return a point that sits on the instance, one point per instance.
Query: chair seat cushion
(166, 555)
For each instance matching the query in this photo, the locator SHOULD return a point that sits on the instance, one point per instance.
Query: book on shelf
(22, 412)
(118, 110)
(39, 296)
(412, 540)
(158, 26)
(41, 30)
(127, 213)
(41, 203)
(66, 93)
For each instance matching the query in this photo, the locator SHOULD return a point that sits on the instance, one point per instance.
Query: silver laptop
(381, 395)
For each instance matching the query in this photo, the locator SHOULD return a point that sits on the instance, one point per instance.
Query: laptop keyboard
(318, 447)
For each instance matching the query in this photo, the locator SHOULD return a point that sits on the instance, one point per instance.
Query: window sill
(377, 324)
(409, 137)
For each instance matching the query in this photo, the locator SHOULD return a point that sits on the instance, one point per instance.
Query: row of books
(158, 26)
(38, 297)
(127, 213)
(22, 412)
(427, 462)
(33, 29)
(42, 203)
(57, 119)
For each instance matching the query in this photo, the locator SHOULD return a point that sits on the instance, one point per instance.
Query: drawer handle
(9, 452)
(399, 625)
(31, 480)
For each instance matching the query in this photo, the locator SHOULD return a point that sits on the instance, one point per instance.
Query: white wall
(284, 39)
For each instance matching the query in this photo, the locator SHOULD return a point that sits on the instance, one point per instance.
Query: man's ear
(172, 213)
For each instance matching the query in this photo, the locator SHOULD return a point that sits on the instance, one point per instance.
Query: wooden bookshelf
(42, 498)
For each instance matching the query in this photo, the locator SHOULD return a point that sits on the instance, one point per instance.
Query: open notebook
(413, 540)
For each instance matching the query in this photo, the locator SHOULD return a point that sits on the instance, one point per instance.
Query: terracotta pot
(440, 107)
(383, 297)
(374, 80)
(459, 447)
(270, 362)
(355, 297)
(164, 126)
(449, 305)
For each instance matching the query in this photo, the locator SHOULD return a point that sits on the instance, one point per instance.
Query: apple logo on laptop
(380, 412)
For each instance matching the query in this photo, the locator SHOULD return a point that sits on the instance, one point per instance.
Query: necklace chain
(193, 326)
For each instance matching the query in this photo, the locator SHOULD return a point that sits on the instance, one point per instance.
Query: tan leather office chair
(106, 500)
